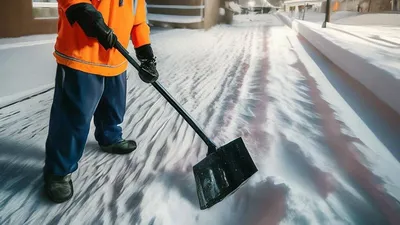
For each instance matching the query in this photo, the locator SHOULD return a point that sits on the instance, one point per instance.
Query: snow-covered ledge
(27, 67)
(381, 82)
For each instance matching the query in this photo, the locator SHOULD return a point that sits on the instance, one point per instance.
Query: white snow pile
(234, 7)
(349, 18)
(342, 14)
(320, 17)
(372, 19)
(221, 11)
(174, 18)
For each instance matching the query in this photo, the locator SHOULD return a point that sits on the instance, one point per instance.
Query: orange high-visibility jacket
(74, 49)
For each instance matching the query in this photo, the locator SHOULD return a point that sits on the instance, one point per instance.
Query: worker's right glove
(148, 71)
(92, 23)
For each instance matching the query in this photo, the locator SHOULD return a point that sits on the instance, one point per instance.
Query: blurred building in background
(183, 13)
(293, 6)
(18, 18)
(27, 17)
(255, 6)
(362, 6)
(199, 14)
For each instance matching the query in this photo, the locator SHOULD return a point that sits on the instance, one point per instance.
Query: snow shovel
(224, 169)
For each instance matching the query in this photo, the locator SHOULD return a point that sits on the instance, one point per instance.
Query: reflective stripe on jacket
(127, 18)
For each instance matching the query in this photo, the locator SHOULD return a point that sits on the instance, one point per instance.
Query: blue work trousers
(78, 96)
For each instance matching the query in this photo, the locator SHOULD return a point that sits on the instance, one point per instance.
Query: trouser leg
(76, 96)
(111, 110)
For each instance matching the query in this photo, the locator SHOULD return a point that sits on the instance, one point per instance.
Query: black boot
(58, 188)
(122, 147)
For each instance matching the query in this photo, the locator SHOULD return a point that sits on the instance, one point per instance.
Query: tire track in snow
(213, 91)
(260, 99)
(274, 209)
(235, 77)
(272, 198)
(258, 202)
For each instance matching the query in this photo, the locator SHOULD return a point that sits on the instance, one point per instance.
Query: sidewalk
(368, 53)
(27, 67)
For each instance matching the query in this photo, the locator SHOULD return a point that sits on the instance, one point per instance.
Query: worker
(91, 82)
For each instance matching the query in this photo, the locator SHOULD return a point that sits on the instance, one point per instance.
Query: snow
(349, 18)
(290, 50)
(174, 18)
(375, 19)
(45, 38)
(19, 96)
(378, 51)
(255, 79)
(320, 17)
(26, 44)
(45, 4)
(375, 50)
(383, 162)
(176, 6)
(235, 7)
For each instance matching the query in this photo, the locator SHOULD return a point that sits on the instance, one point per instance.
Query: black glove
(148, 71)
(92, 23)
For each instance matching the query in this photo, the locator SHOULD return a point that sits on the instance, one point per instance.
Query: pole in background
(369, 6)
(327, 13)
(304, 10)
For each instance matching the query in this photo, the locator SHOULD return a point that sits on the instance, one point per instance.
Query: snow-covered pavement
(325, 155)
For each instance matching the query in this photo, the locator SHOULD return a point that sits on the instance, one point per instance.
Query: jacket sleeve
(65, 4)
(140, 33)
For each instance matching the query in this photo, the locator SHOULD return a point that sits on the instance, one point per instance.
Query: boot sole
(110, 150)
(118, 152)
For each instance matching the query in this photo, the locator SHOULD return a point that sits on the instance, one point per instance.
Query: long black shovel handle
(170, 99)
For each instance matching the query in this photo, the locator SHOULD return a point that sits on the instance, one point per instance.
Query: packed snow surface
(324, 155)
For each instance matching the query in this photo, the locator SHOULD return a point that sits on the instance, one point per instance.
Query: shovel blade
(221, 173)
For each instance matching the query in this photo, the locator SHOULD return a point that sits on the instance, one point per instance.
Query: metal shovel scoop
(224, 169)
(222, 172)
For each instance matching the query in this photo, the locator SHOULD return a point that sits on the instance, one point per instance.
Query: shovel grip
(211, 146)
(125, 53)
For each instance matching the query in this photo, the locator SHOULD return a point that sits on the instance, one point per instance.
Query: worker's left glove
(148, 72)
